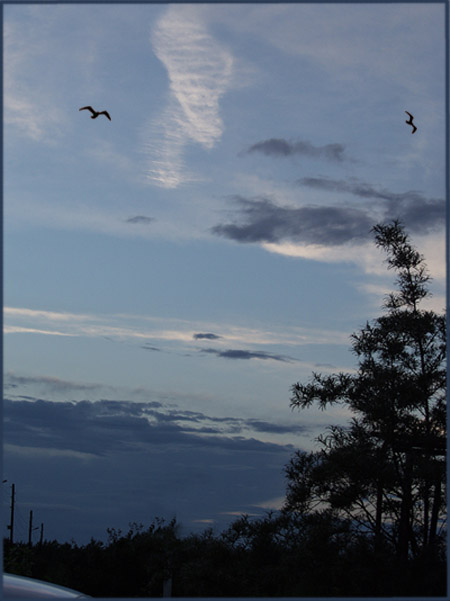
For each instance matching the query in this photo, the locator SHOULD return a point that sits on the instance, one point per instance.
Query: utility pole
(41, 538)
(11, 524)
(30, 527)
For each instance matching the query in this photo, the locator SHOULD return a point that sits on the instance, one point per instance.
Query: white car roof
(20, 587)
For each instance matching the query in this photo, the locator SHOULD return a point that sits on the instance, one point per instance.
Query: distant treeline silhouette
(279, 555)
(365, 515)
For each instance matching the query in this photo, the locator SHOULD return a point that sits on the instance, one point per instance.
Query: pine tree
(386, 469)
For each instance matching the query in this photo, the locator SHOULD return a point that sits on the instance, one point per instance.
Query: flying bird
(410, 122)
(95, 114)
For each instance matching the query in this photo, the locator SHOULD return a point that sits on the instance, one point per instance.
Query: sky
(171, 273)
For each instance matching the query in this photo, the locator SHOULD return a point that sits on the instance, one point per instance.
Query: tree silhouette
(385, 471)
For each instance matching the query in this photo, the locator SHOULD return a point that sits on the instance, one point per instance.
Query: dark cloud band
(243, 354)
(103, 426)
(263, 221)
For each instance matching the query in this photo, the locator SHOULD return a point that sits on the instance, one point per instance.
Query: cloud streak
(143, 329)
(419, 213)
(104, 425)
(261, 220)
(245, 355)
(279, 147)
(148, 347)
(34, 114)
(13, 381)
(206, 336)
(199, 71)
(140, 219)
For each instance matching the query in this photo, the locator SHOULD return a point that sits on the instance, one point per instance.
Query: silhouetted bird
(95, 114)
(410, 122)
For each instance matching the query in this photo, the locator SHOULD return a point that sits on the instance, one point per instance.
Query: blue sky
(169, 274)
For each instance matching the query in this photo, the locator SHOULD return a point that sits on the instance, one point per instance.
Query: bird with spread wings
(95, 114)
(410, 122)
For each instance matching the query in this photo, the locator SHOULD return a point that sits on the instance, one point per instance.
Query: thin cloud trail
(33, 115)
(138, 328)
(199, 71)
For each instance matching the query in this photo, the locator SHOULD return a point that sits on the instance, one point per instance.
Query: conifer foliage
(385, 471)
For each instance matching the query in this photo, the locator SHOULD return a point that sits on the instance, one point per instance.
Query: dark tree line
(364, 514)
(283, 554)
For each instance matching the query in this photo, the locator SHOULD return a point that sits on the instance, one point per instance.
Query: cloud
(70, 324)
(140, 219)
(353, 186)
(243, 354)
(49, 383)
(23, 330)
(274, 503)
(419, 213)
(63, 316)
(279, 147)
(263, 426)
(264, 221)
(98, 426)
(29, 109)
(330, 51)
(207, 336)
(87, 466)
(261, 220)
(199, 71)
(84, 426)
(144, 328)
(148, 347)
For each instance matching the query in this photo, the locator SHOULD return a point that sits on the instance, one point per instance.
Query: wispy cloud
(38, 82)
(26, 107)
(176, 333)
(11, 329)
(49, 383)
(47, 315)
(275, 503)
(330, 49)
(199, 71)
(355, 187)
(279, 147)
